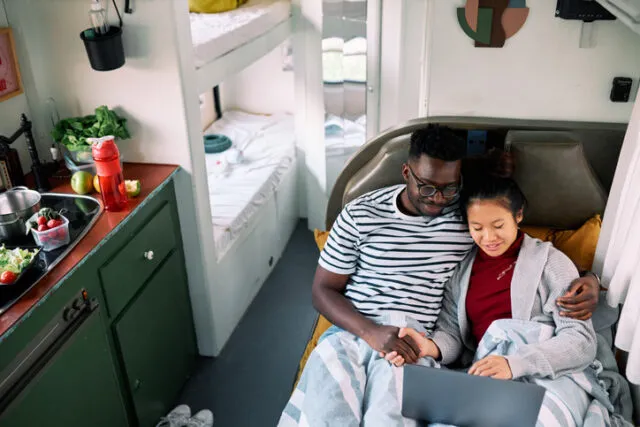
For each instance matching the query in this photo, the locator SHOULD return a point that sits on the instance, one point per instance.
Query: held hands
(426, 347)
(492, 366)
(386, 340)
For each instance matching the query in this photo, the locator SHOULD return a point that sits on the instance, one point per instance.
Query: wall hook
(127, 6)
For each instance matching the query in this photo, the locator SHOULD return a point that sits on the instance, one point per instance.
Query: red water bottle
(107, 158)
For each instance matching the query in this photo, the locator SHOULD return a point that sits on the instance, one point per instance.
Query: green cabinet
(77, 387)
(125, 365)
(158, 352)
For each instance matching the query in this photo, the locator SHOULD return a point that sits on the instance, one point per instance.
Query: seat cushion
(579, 245)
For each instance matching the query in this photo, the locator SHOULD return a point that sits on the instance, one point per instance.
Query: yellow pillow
(321, 237)
(214, 6)
(579, 245)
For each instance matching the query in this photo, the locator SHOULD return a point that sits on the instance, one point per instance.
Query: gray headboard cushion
(554, 174)
(378, 163)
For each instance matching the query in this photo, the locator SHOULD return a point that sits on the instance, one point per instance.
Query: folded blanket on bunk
(343, 373)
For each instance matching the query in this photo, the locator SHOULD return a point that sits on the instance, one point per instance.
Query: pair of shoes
(203, 418)
(180, 416)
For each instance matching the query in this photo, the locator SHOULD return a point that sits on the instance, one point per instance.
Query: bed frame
(215, 71)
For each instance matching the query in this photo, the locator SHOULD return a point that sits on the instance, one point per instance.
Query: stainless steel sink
(82, 213)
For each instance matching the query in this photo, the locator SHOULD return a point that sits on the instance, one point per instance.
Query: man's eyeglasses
(448, 191)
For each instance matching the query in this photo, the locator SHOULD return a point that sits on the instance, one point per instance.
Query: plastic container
(109, 171)
(54, 238)
(98, 18)
(80, 160)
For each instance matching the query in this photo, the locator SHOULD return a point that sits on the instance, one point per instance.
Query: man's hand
(385, 339)
(426, 347)
(492, 366)
(581, 299)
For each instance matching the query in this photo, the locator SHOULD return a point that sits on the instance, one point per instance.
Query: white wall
(262, 88)
(541, 72)
(58, 67)
(11, 109)
(155, 90)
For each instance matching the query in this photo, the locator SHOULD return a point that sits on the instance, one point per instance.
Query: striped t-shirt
(396, 262)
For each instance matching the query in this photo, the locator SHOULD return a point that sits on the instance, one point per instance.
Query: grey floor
(250, 382)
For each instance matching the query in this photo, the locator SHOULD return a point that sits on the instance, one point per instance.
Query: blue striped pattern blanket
(346, 383)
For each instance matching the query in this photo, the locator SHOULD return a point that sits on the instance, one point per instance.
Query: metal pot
(17, 205)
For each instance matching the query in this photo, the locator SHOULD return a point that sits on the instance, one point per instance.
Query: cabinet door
(77, 387)
(156, 339)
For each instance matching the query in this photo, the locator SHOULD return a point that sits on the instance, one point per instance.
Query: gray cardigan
(542, 274)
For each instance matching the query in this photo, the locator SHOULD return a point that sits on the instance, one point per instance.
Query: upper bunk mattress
(214, 34)
(238, 191)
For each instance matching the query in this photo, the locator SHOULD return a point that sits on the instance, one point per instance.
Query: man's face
(429, 171)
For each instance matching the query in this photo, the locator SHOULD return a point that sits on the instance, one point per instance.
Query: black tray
(81, 211)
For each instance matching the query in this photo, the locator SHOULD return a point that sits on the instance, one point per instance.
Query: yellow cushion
(214, 6)
(321, 238)
(321, 326)
(579, 245)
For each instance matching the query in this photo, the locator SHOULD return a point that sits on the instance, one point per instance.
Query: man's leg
(383, 395)
(332, 385)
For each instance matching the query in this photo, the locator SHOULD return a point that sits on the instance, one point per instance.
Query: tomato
(61, 234)
(42, 220)
(42, 228)
(8, 277)
(53, 223)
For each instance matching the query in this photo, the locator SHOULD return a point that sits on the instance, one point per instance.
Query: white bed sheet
(237, 191)
(214, 34)
(343, 136)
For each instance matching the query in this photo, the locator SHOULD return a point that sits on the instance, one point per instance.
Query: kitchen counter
(153, 179)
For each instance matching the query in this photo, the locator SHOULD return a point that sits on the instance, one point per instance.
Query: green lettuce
(73, 132)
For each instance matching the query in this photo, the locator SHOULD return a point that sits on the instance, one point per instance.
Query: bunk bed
(240, 187)
(225, 43)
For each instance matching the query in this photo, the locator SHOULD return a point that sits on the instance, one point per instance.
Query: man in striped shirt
(385, 264)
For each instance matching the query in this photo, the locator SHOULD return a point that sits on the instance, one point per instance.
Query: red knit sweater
(489, 294)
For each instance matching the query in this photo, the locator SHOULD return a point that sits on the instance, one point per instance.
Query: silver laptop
(460, 399)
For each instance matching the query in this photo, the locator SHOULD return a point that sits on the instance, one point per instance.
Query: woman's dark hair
(490, 187)
(438, 142)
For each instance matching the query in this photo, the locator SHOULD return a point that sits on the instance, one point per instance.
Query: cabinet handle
(136, 384)
(148, 255)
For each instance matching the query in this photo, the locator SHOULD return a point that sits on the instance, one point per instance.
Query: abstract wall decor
(491, 22)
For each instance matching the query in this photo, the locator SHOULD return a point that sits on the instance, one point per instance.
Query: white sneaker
(178, 417)
(203, 418)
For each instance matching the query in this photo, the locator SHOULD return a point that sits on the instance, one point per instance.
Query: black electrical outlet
(621, 89)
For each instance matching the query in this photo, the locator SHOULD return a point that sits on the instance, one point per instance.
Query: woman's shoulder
(558, 267)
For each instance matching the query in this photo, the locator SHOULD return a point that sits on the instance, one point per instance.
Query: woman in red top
(507, 276)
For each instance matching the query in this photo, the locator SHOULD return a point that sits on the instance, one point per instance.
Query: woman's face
(492, 226)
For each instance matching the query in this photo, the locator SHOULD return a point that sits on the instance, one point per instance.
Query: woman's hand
(492, 366)
(427, 347)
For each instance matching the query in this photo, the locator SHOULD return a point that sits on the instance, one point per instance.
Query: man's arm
(328, 298)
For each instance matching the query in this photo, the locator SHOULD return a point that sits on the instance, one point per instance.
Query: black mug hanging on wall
(103, 42)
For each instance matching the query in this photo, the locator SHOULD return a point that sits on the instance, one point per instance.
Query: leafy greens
(73, 132)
